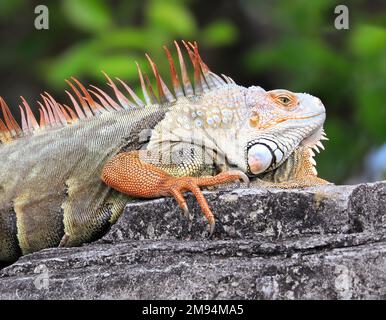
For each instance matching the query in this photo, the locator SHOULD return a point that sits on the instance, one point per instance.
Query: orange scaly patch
(126, 173)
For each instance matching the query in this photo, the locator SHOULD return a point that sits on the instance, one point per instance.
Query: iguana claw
(185, 211)
(243, 177)
(175, 186)
(211, 229)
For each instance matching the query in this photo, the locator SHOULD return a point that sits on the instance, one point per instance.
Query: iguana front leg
(128, 174)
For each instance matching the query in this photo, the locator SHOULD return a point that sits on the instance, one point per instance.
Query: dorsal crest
(90, 102)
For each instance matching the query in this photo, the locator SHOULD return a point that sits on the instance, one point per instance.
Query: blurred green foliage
(274, 44)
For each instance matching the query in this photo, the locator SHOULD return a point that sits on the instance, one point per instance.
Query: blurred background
(273, 44)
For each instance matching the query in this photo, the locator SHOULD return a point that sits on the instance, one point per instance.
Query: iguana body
(51, 191)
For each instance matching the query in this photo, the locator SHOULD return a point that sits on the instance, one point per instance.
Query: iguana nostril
(259, 158)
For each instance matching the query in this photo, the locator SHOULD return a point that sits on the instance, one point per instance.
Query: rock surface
(320, 243)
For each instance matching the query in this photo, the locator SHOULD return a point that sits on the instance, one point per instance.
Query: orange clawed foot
(128, 174)
(176, 186)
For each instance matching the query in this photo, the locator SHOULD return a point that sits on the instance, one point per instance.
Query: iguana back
(50, 182)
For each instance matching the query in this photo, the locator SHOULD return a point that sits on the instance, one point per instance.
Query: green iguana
(66, 178)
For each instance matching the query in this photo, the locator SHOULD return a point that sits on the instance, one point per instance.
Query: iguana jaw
(266, 154)
(270, 151)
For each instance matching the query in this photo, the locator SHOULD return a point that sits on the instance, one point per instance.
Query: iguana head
(274, 124)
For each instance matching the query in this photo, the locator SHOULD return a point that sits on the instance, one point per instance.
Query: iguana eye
(284, 100)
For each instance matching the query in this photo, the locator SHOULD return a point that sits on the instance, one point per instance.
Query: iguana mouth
(283, 119)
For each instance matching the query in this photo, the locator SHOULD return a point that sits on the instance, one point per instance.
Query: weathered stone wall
(320, 243)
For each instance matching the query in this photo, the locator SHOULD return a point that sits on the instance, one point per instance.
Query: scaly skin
(126, 173)
(51, 191)
(245, 117)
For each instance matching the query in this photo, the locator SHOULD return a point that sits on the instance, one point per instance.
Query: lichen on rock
(325, 242)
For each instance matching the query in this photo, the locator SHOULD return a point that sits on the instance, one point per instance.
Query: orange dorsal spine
(87, 103)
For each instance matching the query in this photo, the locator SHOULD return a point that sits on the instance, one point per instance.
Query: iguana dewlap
(65, 178)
